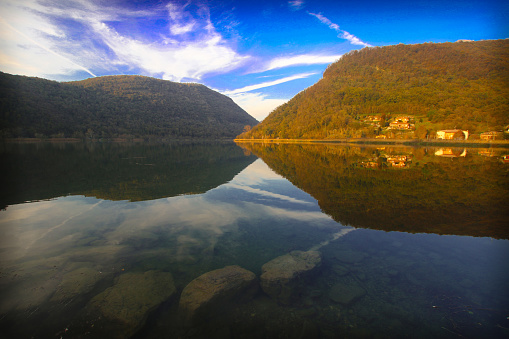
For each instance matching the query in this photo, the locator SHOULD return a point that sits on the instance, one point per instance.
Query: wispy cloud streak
(269, 83)
(342, 33)
(176, 61)
(85, 34)
(303, 59)
(296, 4)
(6, 24)
(258, 104)
(181, 22)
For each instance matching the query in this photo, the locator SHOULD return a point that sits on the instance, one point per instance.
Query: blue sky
(260, 53)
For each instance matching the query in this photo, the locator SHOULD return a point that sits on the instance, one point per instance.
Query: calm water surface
(99, 240)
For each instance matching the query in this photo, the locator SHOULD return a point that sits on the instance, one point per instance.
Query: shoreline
(108, 140)
(347, 141)
(403, 142)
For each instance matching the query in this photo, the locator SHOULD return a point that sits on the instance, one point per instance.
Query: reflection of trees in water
(116, 171)
(463, 196)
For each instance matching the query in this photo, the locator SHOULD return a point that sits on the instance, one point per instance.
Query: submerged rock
(350, 257)
(214, 290)
(346, 294)
(77, 282)
(280, 277)
(128, 303)
(340, 270)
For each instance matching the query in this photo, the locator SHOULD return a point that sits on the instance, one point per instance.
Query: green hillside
(462, 85)
(116, 106)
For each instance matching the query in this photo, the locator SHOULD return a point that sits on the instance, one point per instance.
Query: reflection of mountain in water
(116, 171)
(360, 187)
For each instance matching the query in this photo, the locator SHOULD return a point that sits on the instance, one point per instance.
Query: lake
(168, 241)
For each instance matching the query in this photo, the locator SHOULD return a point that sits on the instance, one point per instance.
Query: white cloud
(191, 59)
(53, 37)
(342, 33)
(303, 59)
(181, 21)
(269, 83)
(258, 105)
(325, 21)
(17, 45)
(296, 4)
(353, 39)
(31, 44)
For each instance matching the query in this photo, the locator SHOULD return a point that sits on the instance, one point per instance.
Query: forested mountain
(116, 106)
(462, 85)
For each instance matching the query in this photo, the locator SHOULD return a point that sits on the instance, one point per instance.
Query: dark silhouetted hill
(116, 106)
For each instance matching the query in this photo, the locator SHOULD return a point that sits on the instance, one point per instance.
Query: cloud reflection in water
(43, 240)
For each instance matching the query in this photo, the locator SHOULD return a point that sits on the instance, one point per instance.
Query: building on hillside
(452, 134)
(399, 125)
(493, 135)
(402, 122)
(369, 164)
(403, 119)
(374, 118)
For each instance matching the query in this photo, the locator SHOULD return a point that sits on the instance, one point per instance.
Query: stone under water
(130, 300)
(213, 291)
(345, 294)
(281, 276)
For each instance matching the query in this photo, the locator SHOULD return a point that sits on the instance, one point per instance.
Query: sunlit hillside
(418, 88)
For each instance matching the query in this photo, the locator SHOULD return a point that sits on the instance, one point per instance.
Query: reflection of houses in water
(451, 152)
(389, 160)
(398, 164)
(452, 134)
(398, 161)
(487, 153)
